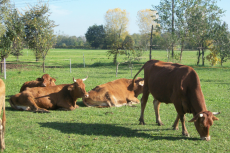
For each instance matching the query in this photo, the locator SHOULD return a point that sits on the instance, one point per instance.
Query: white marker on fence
(84, 60)
(70, 65)
(4, 68)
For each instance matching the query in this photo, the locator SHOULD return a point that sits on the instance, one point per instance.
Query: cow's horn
(74, 80)
(85, 78)
(201, 115)
(215, 113)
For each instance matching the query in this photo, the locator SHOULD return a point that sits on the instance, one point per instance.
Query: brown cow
(3, 121)
(45, 81)
(180, 85)
(42, 99)
(115, 93)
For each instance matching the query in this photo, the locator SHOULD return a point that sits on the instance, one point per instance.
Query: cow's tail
(133, 81)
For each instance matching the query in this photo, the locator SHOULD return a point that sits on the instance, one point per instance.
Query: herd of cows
(167, 82)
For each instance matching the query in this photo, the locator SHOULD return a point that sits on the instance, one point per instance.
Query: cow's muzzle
(206, 138)
(86, 95)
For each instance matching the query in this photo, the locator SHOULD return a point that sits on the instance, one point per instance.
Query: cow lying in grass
(45, 81)
(42, 99)
(115, 93)
(3, 120)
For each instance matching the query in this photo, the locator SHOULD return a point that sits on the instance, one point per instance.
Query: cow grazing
(45, 81)
(3, 120)
(180, 85)
(42, 99)
(115, 93)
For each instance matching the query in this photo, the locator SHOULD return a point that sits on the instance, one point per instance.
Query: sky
(74, 17)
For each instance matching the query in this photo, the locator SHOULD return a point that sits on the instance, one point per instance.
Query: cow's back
(169, 80)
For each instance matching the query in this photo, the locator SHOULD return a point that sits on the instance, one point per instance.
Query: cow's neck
(197, 102)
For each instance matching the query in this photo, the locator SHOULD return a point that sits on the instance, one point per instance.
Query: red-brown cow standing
(180, 85)
(42, 99)
(115, 93)
(45, 81)
(3, 120)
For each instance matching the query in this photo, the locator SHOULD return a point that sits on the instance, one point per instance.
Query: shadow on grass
(105, 130)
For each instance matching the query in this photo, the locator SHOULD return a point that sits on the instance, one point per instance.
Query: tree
(116, 31)
(166, 19)
(39, 31)
(6, 31)
(95, 35)
(146, 19)
(201, 17)
(117, 21)
(221, 44)
(18, 27)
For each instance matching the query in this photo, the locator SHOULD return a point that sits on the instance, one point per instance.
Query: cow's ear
(141, 83)
(39, 79)
(214, 118)
(71, 87)
(53, 80)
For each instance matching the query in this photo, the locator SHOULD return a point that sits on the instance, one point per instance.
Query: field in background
(94, 129)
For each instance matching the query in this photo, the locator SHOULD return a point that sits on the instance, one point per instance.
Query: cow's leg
(33, 106)
(182, 118)
(67, 106)
(144, 100)
(176, 123)
(156, 105)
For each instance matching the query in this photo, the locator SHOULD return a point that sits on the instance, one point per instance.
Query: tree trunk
(2, 65)
(115, 58)
(203, 57)
(172, 28)
(181, 51)
(117, 69)
(198, 59)
(43, 65)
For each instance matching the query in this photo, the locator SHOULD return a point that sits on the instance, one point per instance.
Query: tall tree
(221, 43)
(146, 19)
(39, 31)
(116, 30)
(6, 31)
(19, 33)
(95, 35)
(166, 12)
(202, 15)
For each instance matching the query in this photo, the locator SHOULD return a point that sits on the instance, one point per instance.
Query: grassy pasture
(110, 129)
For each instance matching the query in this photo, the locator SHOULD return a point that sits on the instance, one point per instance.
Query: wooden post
(150, 54)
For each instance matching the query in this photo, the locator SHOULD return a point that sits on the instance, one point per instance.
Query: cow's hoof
(159, 123)
(42, 111)
(175, 128)
(186, 134)
(142, 123)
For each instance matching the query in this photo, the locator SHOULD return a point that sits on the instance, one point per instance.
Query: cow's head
(202, 122)
(79, 88)
(46, 80)
(138, 86)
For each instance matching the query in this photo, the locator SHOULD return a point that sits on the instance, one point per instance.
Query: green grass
(93, 129)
